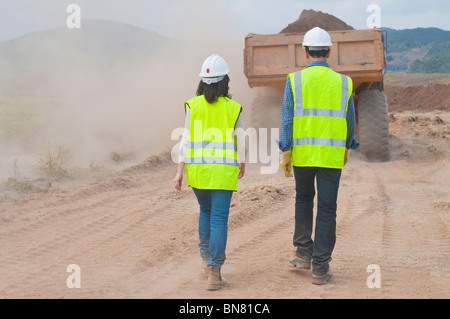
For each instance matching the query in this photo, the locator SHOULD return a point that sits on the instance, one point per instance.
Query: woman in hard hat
(209, 155)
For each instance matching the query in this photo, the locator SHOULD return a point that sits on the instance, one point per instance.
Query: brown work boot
(205, 268)
(215, 280)
(299, 263)
(322, 280)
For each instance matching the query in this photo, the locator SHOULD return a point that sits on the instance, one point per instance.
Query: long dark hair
(213, 91)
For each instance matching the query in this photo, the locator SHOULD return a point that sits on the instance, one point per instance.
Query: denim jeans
(213, 224)
(320, 249)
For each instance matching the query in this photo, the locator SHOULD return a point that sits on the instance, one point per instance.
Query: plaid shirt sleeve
(351, 124)
(287, 119)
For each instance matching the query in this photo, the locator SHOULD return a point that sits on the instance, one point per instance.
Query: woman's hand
(241, 170)
(178, 177)
(177, 181)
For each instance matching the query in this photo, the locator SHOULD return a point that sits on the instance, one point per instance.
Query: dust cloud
(103, 105)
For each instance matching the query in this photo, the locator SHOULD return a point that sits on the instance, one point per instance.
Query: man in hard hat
(212, 152)
(317, 130)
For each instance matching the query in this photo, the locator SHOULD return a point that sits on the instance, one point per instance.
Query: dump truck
(359, 54)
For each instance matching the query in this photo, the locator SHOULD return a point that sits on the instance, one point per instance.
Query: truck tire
(373, 125)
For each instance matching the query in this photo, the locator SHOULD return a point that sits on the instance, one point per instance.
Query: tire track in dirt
(415, 240)
(256, 220)
(109, 220)
(141, 241)
(389, 221)
(81, 214)
(77, 205)
(254, 247)
(359, 224)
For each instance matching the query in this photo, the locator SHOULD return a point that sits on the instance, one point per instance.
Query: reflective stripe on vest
(211, 156)
(300, 111)
(227, 146)
(319, 141)
(320, 127)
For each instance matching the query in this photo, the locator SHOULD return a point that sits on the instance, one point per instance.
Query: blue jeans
(213, 224)
(318, 251)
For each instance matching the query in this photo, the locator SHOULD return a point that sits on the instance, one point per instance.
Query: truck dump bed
(268, 59)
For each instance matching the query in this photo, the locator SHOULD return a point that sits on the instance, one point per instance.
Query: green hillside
(421, 50)
(437, 60)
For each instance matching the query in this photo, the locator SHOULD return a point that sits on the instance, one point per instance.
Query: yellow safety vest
(320, 109)
(211, 156)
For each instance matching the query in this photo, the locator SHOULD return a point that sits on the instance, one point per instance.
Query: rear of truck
(359, 54)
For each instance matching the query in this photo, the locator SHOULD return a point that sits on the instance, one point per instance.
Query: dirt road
(134, 236)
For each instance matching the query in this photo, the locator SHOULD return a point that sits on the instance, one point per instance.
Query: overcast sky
(176, 18)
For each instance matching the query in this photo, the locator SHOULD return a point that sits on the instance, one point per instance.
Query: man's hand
(286, 164)
(346, 156)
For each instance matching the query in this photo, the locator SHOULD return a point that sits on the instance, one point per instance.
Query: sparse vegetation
(16, 182)
(51, 165)
(17, 185)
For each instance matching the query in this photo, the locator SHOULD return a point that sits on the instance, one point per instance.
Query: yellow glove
(346, 156)
(286, 164)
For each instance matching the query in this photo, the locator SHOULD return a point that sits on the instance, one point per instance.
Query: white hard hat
(214, 69)
(317, 39)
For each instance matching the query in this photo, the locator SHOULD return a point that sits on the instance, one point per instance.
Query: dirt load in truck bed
(309, 19)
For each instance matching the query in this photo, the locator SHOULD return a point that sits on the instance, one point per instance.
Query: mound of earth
(151, 163)
(423, 99)
(309, 19)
